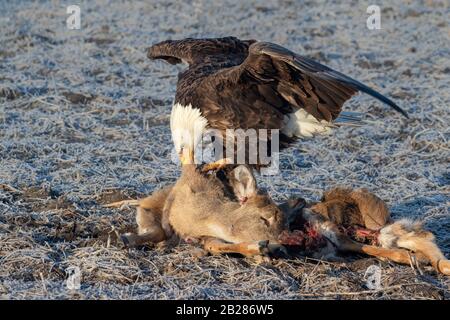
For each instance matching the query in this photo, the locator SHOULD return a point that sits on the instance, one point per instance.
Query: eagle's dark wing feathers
(317, 71)
(270, 83)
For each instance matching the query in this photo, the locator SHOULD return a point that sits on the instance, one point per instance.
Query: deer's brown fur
(349, 207)
(199, 207)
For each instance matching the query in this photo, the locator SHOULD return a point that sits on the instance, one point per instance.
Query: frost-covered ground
(84, 121)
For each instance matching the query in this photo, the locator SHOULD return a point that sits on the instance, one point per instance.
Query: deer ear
(244, 178)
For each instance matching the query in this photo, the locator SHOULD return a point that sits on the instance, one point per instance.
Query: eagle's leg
(217, 165)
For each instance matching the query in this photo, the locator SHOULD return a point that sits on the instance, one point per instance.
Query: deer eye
(269, 221)
(266, 222)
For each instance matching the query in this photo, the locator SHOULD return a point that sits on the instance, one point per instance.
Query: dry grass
(84, 121)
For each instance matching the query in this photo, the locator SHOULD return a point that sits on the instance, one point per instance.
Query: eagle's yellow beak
(186, 156)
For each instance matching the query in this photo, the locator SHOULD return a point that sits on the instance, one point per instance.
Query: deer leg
(149, 228)
(423, 244)
(443, 266)
(119, 204)
(217, 246)
(397, 255)
(165, 222)
(154, 235)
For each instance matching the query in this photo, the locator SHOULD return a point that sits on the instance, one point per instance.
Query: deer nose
(273, 249)
(243, 200)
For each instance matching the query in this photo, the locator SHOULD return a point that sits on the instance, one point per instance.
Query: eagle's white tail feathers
(187, 125)
(348, 118)
(303, 124)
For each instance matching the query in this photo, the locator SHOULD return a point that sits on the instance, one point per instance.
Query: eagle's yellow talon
(217, 165)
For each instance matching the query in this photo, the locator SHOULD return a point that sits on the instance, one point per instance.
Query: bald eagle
(247, 84)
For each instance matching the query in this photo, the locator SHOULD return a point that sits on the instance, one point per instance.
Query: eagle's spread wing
(330, 85)
(272, 82)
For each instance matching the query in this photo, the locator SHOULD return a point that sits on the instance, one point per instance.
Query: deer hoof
(127, 239)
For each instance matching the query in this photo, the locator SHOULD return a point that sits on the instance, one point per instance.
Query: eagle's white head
(187, 125)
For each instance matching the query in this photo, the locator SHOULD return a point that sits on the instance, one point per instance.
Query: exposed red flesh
(307, 239)
(361, 234)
